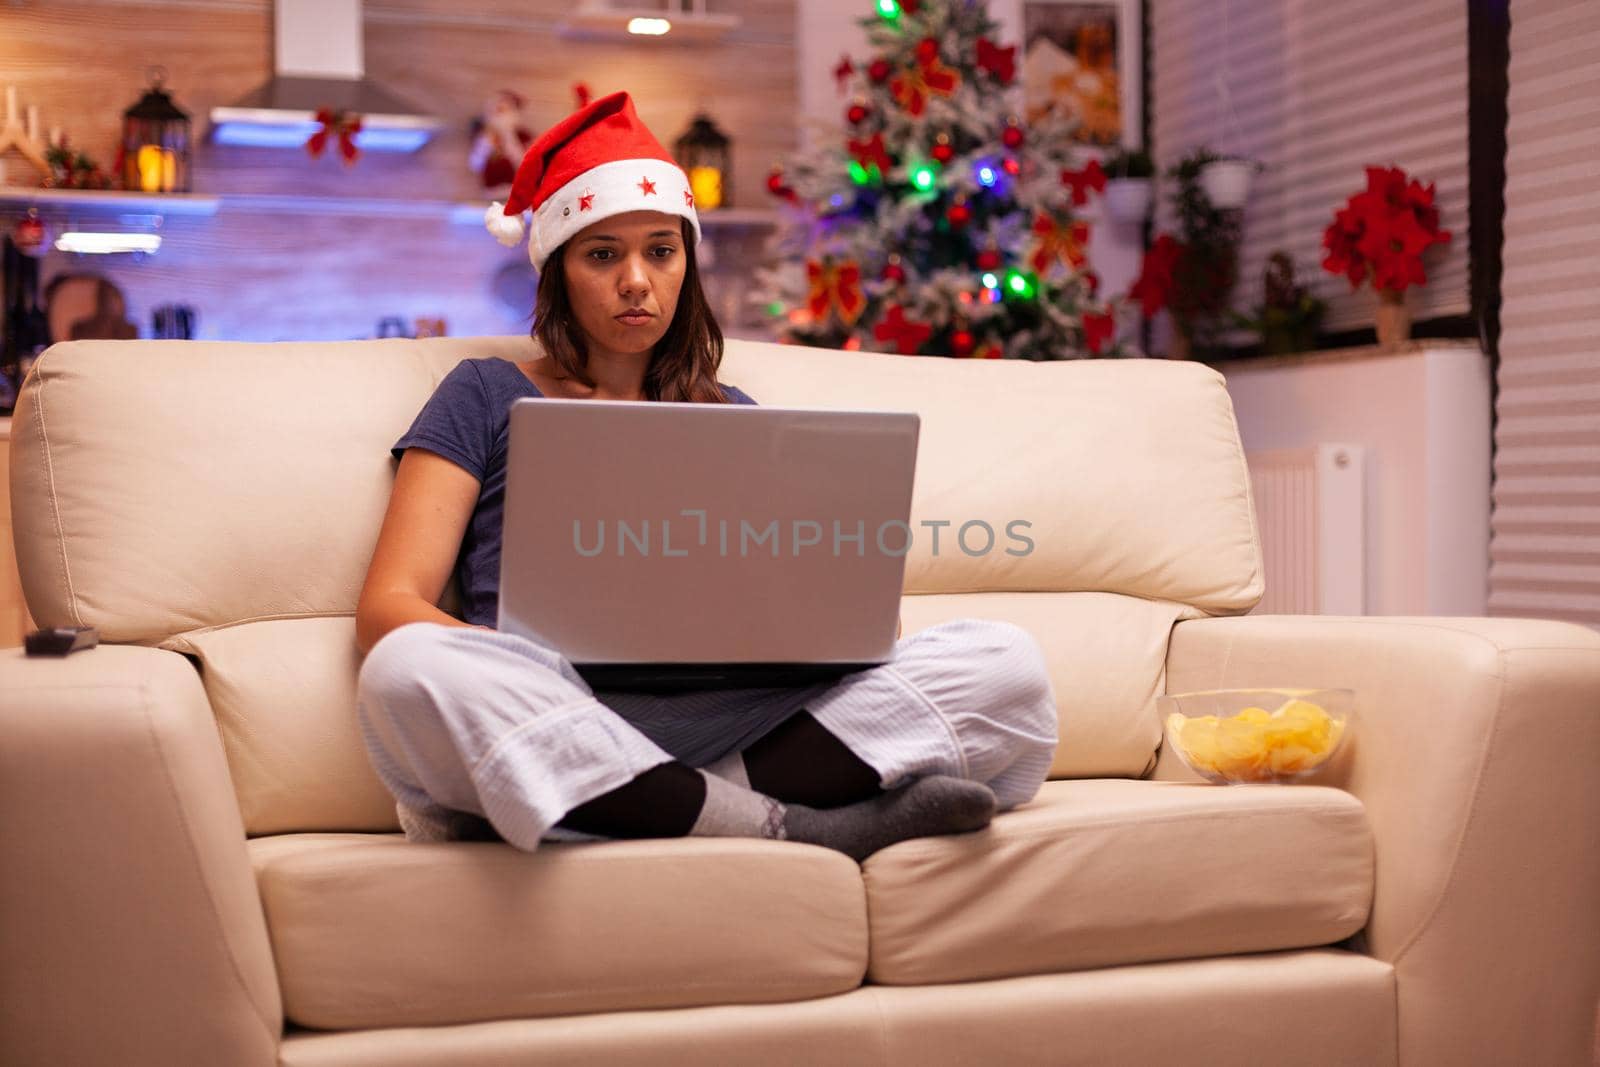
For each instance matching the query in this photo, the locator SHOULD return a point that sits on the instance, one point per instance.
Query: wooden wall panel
(260, 274)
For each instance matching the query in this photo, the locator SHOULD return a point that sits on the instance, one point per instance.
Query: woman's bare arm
(429, 508)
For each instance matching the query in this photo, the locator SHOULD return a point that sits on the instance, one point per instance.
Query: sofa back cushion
(1129, 473)
(222, 499)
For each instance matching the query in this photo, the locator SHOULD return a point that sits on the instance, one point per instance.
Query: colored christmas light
(922, 176)
(889, 9)
(987, 177)
(1021, 284)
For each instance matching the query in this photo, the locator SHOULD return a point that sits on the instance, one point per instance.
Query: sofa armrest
(131, 931)
(1475, 754)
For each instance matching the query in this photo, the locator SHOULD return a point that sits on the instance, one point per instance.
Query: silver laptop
(671, 546)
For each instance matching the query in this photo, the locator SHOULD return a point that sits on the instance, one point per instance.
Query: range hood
(317, 56)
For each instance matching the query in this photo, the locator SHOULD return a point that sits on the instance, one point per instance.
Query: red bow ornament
(841, 73)
(870, 152)
(1081, 181)
(343, 125)
(1057, 242)
(1098, 328)
(835, 286)
(907, 336)
(1001, 62)
(911, 87)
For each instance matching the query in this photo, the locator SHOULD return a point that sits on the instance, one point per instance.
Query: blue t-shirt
(467, 421)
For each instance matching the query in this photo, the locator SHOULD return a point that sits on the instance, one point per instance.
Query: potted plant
(1207, 265)
(1288, 317)
(1130, 184)
(1384, 230)
(1226, 180)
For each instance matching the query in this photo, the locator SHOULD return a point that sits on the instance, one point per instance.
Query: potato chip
(1254, 743)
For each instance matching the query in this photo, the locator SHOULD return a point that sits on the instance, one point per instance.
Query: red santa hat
(597, 162)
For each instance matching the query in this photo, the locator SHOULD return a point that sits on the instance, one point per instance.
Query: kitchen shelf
(109, 203)
(106, 202)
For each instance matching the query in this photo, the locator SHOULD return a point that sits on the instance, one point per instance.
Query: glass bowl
(1235, 736)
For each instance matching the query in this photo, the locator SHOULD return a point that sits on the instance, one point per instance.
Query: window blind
(1545, 531)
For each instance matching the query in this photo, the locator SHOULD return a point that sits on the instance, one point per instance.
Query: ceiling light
(673, 21)
(88, 242)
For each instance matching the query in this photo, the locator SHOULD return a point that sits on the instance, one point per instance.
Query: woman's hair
(684, 365)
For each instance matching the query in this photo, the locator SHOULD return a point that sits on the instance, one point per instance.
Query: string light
(889, 9)
(922, 176)
(1020, 284)
(987, 176)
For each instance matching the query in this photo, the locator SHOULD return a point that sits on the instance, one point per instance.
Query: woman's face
(623, 277)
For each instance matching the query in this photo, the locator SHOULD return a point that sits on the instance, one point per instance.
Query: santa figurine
(499, 140)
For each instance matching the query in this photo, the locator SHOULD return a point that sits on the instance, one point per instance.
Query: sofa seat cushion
(1109, 871)
(372, 930)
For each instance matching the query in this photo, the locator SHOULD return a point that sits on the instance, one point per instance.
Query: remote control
(61, 640)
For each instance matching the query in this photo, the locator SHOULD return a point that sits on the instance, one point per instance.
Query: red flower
(1383, 231)
(1154, 288)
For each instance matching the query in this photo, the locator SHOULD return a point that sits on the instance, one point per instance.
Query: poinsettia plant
(1383, 231)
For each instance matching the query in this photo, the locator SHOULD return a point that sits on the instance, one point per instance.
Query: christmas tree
(938, 223)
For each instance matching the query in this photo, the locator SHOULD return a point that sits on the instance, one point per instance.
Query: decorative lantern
(155, 142)
(704, 153)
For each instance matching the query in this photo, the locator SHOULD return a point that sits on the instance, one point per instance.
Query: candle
(158, 169)
(33, 123)
(706, 183)
(11, 104)
(55, 137)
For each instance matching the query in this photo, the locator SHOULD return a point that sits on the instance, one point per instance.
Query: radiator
(1311, 513)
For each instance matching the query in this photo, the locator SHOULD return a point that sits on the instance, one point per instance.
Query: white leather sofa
(200, 867)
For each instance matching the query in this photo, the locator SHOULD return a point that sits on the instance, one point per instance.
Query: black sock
(801, 762)
(664, 801)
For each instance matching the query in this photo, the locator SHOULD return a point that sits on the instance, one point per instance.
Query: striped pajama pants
(503, 727)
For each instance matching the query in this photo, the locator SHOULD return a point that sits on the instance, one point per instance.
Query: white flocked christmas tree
(937, 222)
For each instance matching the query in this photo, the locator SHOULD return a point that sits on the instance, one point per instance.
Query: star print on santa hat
(604, 159)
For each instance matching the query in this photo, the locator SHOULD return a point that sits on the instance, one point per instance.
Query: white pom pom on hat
(507, 229)
(597, 162)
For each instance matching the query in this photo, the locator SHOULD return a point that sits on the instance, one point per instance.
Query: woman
(484, 734)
